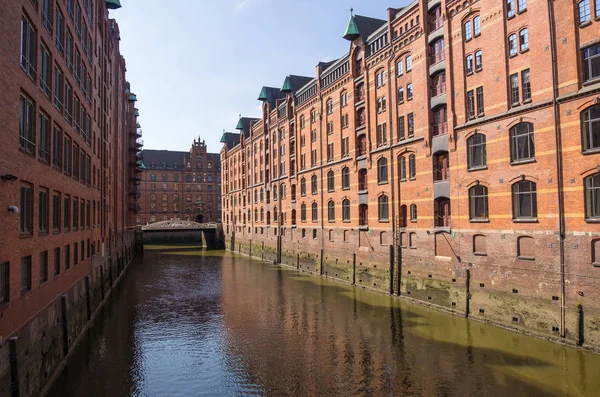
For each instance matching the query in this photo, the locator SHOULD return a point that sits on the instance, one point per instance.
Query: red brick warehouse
(68, 170)
(445, 171)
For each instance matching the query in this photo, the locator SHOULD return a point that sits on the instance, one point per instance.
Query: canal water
(187, 322)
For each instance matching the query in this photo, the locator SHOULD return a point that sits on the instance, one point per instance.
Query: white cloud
(243, 4)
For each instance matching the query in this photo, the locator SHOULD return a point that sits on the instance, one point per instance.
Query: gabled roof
(244, 125)
(163, 159)
(362, 27)
(293, 83)
(270, 94)
(230, 139)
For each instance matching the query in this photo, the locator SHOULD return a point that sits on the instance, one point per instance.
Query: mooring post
(298, 261)
(391, 269)
(102, 280)
(468, 296)
(399, 271)
(321, 266)
(65, 328)
(580, 325)
(87, 297)
(14, 374)
(354, 268)
(262, 251)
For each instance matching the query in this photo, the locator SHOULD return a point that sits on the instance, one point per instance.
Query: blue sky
(195, 65)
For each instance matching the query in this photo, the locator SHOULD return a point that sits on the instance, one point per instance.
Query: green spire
(137, 125)
(287, 85)
(223, 139)
(113, 4)
(133, 98)
(352, 29)
(263, 94)
(240, 125)
(136, 113)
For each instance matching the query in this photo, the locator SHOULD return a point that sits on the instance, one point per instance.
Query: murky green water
(185, 322)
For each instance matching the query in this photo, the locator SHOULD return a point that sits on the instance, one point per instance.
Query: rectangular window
(56, 218)
(26, 210)
(400, 68)
(345, 147)
(45, 71)
(526, 83)
(67, 256)
(26, 122)
(75, 213)
(68, 102)
(59, 85)
(69, 54)
(512, 45)
(4, 283)
(67, 155)
(514, 88)
(478, 61)
(471, 104)
(409, 93)
(584, 11)
(524, 40)
(60, 31)
(468, 31)
(469, 62)
(44, 139)
(510, 8)
(522, 5)
(56, 261)
(591, 62)
(57, 148)
(43, 267)
(401, 132)
(480, 106)
(75, 252)
(28, 48)
(25, 274)
(477, 26)
(67, 209)
(43, 210)
(411, 125)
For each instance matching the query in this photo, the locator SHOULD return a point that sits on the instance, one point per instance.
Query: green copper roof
(263, 94)
(126, 90)
(223, 139)
(240, 125)
(113, 4)
(137, 113)
(137, 125)
(133, 98)
(287, 85)
(351, 32)
(141, 164)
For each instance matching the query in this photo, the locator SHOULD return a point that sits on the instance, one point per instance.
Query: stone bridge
(182, 231)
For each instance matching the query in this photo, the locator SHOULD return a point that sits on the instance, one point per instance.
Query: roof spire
(351, 32)
(351, 12)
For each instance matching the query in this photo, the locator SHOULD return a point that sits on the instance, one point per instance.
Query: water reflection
(188, 323)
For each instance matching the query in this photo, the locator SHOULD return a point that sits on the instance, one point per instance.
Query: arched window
(315, 213)
(153, 197)
(402, 165)
(522, 143)
(199, 179)
(476, 151)
(400, 96)
(512, 44)
(479, 245)
(209, 179)
(344, 98)
(412, 166)
(346, 210)
(152, 177)
(382, 170)
(524, 198)
(256, 196)
(274, 192)
(408, 63)
(329, 106)
(330, 181)
(590, 126)
(165, 197)
(199, 164)
(313, 184)
(256, 215)
(164, 177)
(303, 212)
(188, 178)
(413, 212)
(262, 196)
(262, 214)
(175, 198)
(345, 178)
(176, 178)
(383, 208)
(303, 187)
(592, 196)
(331, 211)
(478, 203)
(524, 39)
(331, 235)
(274, 214)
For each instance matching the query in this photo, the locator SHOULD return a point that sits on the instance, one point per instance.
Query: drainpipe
(391, 162)
(559, 168)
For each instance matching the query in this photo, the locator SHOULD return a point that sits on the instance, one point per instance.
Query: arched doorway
(200, 218)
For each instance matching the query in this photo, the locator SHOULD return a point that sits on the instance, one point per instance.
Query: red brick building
(452, 154)
(180, 185)
(67, 161)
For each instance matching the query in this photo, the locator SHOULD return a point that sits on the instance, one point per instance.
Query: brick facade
(180, 185)
(68, 156)
(452, 156)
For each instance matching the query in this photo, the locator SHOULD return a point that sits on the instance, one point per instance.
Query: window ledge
(524, 220)
(473, 169)
(384, 221)
(592, 220)
(586, 23)
(477, 70)
(412, 179)
(482, 220)
(525, 50)
(413, 221)
(331, 221)
(509, 17)
(346, 221)
(523, 162)
(363, 227)
(526, 258)
(470, 73)
(382, 183)
(592, 81)
(513, 55)
(25, 235)
(412, 248)
(345, 188)
(479, 254)
(527, 101)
